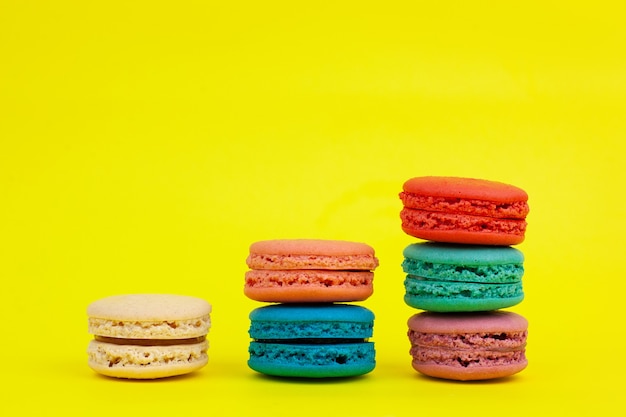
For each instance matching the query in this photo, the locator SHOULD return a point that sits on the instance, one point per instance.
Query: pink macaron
(468, 346)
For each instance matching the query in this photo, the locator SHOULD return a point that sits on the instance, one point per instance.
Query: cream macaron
(147, 336)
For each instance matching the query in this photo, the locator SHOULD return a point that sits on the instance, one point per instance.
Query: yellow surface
(144, 145)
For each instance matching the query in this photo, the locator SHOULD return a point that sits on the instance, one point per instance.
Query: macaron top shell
(312, 312)
(311, 254)
(445, 196)
(149, 316)
(465, 255)
(149, 307)
(469, 188)
(464, 323)
(329, 322)
(310, 247)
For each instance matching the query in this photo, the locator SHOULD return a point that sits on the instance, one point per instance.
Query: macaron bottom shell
(443, 296)
(146, 362)
(478, 237)
(452, 305)
(312, 360)
(469, 374)
(309, 293)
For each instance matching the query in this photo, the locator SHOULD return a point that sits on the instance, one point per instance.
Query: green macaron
(454, 278)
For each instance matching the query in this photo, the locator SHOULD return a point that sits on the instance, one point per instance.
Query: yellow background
(144, 145)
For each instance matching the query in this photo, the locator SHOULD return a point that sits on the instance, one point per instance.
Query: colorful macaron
(464, 210)
(309, 270)
(468, 346)
(453, 278)
(147, 336)
(311, 340)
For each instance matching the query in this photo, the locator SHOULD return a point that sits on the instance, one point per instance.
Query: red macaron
(464, 210)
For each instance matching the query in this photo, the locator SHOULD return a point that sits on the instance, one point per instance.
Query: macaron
(464, 210)
(444, 277)
(309, 270)
(147, 336)
(312, 340)
(468, 346)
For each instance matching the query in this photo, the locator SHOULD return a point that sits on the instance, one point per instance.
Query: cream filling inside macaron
(150, 342)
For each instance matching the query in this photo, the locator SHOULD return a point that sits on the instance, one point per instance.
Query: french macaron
(309, 270)
(464, 210)
(312, 340)
(148, 336)
(444, 277)
(468, 346)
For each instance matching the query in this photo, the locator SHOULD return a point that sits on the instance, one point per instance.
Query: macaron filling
(311, 341)
(150, 342)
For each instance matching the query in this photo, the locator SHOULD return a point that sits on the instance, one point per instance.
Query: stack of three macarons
(463, 275)
(310, 327)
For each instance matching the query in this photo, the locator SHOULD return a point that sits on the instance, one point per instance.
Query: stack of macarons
(309, 328)
(463, 273)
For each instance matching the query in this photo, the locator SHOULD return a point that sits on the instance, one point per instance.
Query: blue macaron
(312, 341)
(454, 278)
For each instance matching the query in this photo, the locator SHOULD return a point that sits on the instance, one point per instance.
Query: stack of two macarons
(463, 275)
(310, 328)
